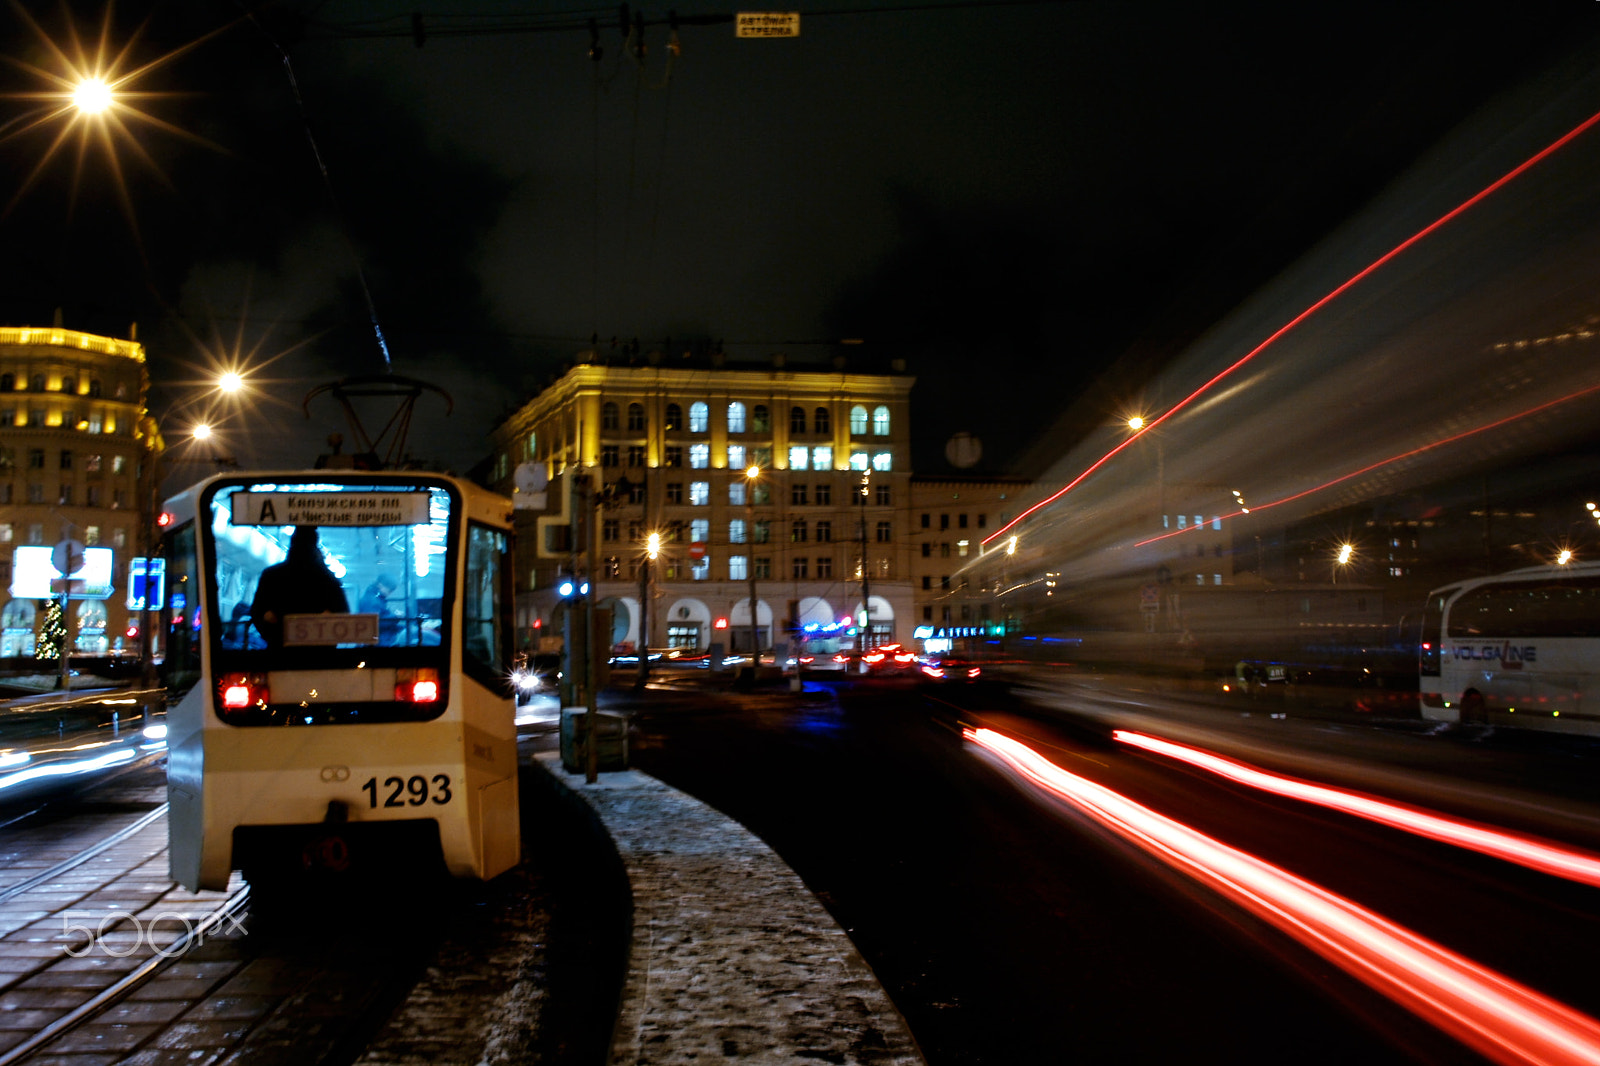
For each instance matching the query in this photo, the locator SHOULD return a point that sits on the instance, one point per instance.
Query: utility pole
(866, 588)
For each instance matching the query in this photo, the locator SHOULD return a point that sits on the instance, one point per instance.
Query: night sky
(1014, 198)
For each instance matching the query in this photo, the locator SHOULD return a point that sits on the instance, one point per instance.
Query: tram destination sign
(330, 508)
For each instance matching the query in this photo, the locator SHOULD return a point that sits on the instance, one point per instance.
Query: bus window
(181, 667)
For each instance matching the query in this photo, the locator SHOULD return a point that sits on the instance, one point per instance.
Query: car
(539, 674)
(952, 671)
(889, 659)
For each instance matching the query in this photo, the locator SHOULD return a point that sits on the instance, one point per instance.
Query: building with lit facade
(955, 607)
(630, 450)
(72, 446)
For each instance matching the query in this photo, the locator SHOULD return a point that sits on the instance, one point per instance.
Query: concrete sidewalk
(732, 958)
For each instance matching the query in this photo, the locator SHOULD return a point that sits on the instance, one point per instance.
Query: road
(1010, 928)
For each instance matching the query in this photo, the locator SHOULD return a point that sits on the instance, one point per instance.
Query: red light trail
(1349, 283)
(1418, 450)
(1497, 1017)
(1541, 855)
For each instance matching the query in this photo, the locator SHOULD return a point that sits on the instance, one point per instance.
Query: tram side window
(182, 665)
(484, 652)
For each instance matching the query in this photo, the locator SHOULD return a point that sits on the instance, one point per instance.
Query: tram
(341, 647)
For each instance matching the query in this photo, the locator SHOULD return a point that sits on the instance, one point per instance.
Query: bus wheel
(1472, 710)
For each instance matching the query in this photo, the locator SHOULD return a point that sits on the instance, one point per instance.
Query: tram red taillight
(420, 685)
(239, 691)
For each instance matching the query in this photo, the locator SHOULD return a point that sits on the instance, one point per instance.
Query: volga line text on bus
(1504, 654)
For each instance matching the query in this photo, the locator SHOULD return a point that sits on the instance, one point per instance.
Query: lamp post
(652, 551)
(750, 476)
(866, 587)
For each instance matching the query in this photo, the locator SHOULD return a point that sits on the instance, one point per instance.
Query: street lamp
(1341, 559)
(750, 476)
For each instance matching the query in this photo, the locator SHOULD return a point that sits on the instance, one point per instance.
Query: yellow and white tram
(340, 642)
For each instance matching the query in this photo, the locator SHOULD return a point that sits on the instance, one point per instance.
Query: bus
(1515, 649)
(339, 647)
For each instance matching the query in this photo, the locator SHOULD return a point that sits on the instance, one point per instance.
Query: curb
(731, 955)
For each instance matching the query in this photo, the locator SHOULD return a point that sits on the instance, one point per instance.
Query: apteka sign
(330, 508)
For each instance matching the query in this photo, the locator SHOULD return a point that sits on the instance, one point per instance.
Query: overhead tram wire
(327, 184)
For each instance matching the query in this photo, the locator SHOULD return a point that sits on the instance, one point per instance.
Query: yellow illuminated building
(71, 454)
(668, 447)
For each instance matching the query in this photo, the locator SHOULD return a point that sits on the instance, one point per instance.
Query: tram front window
(327, 599)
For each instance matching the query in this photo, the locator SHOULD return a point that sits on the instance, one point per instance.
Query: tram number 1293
(414, 790)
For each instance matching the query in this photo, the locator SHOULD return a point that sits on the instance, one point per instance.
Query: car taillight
(974, 672)
(904, 657)
(875, 657)
(933, 671)
(420, 685)
(240, 691)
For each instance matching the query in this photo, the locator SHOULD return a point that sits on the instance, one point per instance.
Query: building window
(760, 419)
(36, 533)
(66, 495)
(6, 533)
(608, 455)
(699, 493)
(736, 417)
(8, 382)
(881, 494)
(636, 455)
(961, 548)
(824, 531)
(760, 493)
(799, 567)
(944, 550)
(673, 418)
(1216, 579)
(736, 492)
(119, 497)
(797, 420)
(822, 457)
(825, 567)
(8, 417)
(880, 461)
(927, 550)
(119, 538)
(961, 521)
(763, 567)
(634, 528)
(119, 464)
(610, 529)
(798, 454)
(736, 531)
(944, 615)
(797, 530)
(674, 492)
(736, 457)
(761, 532)
(927, 614)
(636, 418)
(613, 567)
(927, 581)
(700, 569)
(35, 458)
(635, 492)
(927, 521)
(738, 568)
(880, 422)
(66, 459)
(699, 417)
(1216, 523)
(35, 493)
(699, 456)
(823, 421)
(36, 416)
(858, 460)
(824, 495)
(982, 520)
(674, 455)
(608, 415)
(675, 531)
(883, 532)
(91, 464)
(699, 530)
(761, 457)
(36, 383)
(858, 421)
(797, 494)
(944, 583)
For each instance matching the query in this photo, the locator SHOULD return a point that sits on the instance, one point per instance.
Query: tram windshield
(302, 570)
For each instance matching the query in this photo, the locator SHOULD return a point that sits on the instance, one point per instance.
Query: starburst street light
(90, 94)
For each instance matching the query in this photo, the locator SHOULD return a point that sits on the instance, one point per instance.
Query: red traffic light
(164, 519)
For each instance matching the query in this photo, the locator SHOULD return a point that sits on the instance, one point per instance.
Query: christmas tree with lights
(53, 638)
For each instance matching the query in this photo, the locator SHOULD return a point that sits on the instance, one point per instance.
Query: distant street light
(202, 432)
(230, 382)
(1136, 423)
(92, 96)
